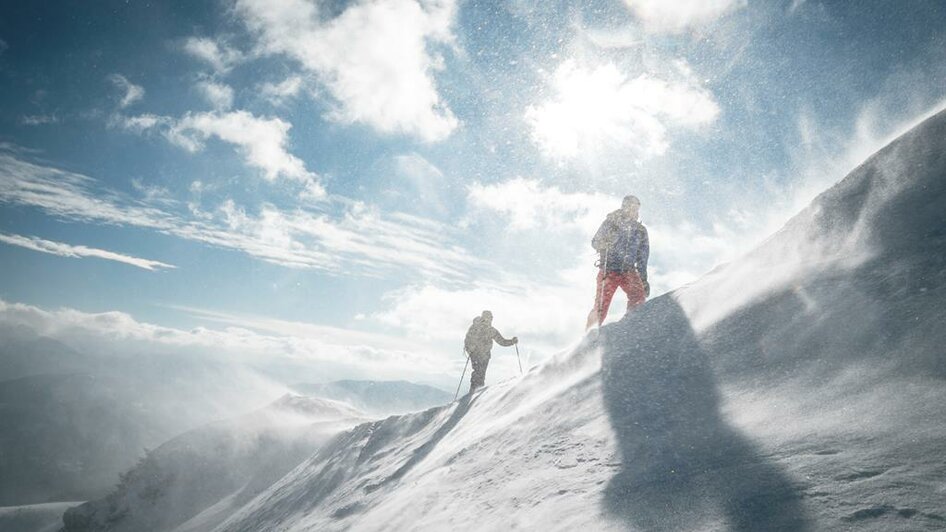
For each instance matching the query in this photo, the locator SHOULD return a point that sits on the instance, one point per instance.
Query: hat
(630, 200)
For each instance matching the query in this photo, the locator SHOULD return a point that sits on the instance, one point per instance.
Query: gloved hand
(515, 339)
(646, 287)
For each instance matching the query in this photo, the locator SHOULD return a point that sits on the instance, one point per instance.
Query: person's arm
(498, 338)
(605, 235)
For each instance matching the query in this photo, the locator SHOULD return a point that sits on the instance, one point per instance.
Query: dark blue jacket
(622, 244)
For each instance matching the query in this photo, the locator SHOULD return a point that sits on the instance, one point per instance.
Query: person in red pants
(623, 248)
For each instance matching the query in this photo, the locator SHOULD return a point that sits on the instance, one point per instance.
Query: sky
(347, 184)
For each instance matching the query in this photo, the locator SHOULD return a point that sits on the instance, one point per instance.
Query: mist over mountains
(75, 418)
(378, 397)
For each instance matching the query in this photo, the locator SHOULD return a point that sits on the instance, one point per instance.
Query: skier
(478, 344)
(623, 248)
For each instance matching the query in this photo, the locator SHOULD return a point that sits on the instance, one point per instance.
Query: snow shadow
(684, 466)
(463, 406)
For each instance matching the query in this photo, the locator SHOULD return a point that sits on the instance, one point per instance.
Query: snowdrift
(801, 387)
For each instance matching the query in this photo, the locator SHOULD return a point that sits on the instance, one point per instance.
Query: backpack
(474, 335)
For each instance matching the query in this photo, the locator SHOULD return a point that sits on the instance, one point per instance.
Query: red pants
(608, 283)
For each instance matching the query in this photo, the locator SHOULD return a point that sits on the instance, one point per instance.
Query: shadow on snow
(682, 462)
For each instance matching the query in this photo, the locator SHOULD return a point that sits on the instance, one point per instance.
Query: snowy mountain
(798, 388)
(68, 436)
(73, 420)
(378, 397)
(195, 480)
(801, 387)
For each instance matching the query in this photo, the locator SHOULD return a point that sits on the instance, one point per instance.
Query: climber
(478, 344)
(623, 248)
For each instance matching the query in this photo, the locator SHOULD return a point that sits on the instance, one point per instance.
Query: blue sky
(360, 179)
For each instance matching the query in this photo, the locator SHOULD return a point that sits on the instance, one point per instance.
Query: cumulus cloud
(69, 250)
(278, 93)
(262, 141)
(374, 58)
(604, 107)
(219, 95)
(131, 93)
(527, 203)
(140, 123)
(344, 237)
(221, 57)
(661, 16)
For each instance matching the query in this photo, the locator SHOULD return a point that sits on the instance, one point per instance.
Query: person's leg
(478, 376)
(605, 292)
(632, 285)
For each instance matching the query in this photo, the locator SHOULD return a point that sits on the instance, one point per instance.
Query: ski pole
(604, 279)
(462, 375)
(518, 358)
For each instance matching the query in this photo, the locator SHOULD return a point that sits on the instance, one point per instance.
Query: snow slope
(195, 480)
(45, 517)
(799, 388)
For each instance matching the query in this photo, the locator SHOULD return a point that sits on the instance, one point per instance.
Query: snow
(798, 388)
(45, 517)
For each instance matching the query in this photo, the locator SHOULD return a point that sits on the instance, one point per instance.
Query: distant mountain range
(378, 397)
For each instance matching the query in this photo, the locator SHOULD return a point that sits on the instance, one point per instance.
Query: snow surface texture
(34, 517)
(800, 388)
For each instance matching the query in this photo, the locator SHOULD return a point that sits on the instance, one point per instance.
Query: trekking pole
(518, 358)
(604, 278)
(465, 364)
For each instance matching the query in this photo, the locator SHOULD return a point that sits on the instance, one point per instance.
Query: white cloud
(662, 16)
(219, 95)
(305, 351)
(68, 250)
(527, 204)
(140, 123)
(681, 252)
(262, 141)
(39, 120)
(547, 316)
(219, 56)
(278, 93)
(343, 237)
(131, 93)
(795, 5)
(285, 328)
(374, 57)
(416, 185)
(602, 107)
(70, 196)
